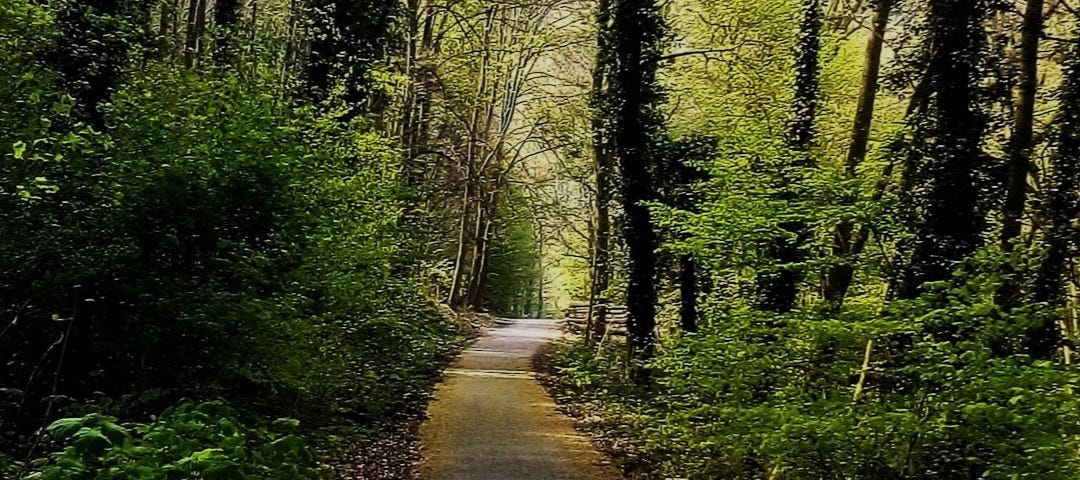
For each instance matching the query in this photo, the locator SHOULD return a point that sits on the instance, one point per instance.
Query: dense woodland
(239, 237)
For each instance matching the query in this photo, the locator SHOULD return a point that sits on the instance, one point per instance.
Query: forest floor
(491, 419)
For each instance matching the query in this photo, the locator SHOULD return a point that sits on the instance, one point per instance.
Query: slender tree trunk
(483, 217)
(540, 269)
(838, 278)
(601, 224)
(1019, 149)
(165, 21)
(191, 34)
(459, 258)
(482, 276)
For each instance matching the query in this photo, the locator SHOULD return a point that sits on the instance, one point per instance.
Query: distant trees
(1060, 209)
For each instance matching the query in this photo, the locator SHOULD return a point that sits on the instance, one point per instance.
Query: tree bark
(944, 153)
(1019, 149)
(601, 225)
(838, 278)
(459, 258)
(191, 34)
(635, 40)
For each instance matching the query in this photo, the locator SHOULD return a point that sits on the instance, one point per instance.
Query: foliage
(208, 238)
(757, 395)
(191, 440)
(514, 267)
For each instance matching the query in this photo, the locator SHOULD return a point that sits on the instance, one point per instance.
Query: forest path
(491, 420)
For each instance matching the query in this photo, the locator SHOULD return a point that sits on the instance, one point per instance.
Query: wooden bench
(576, 316)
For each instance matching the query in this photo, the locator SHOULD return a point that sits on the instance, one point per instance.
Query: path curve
(491, 420)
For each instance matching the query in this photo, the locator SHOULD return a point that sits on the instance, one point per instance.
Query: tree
(1020, 142)
(945, 150)
(636, 30)
(778, 288)
(838, 277)
(1060, 208)
(348, 39)
(600, 241)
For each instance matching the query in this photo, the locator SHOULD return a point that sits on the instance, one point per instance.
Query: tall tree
(636, 31)
(838, 278)
(1020, 141)
(600, 231)
(196, 27)
(945, 151)
(778, 288)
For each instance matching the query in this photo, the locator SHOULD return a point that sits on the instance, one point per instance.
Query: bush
(757, 396)
(204, 440)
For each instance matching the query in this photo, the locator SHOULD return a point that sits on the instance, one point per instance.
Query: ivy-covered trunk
(778, 287)
(945, 151)
(636, 34)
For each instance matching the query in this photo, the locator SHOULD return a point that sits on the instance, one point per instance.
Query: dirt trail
(491, 420)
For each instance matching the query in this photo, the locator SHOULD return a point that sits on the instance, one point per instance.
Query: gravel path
(491, 420)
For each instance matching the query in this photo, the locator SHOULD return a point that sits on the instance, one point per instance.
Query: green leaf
(65, 428)
(91, 441)
(20, 149)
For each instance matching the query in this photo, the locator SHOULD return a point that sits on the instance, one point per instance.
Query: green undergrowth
(760, 396)
(205, 440)
(197, 234)
(219, 439)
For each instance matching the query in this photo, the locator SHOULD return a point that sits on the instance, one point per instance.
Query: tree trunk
(838, 278)
(778, 289)
(635, 36)
(485, 210)
(1061, 206)
(459, 258)
(601, 224)
(191, 34)
(944, 152)
(165, 21)
(1019, 149)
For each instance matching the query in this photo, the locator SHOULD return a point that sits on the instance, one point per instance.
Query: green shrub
(189, 441)
(760, 396)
